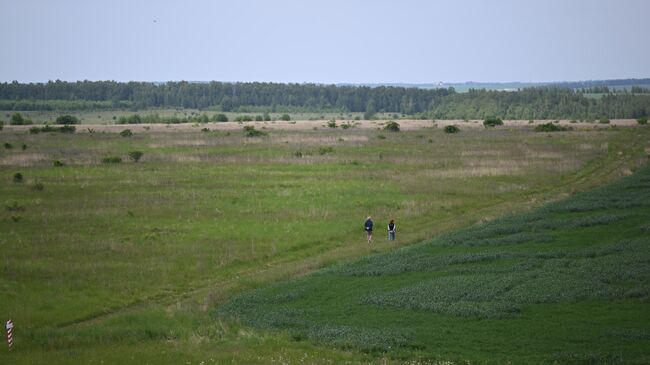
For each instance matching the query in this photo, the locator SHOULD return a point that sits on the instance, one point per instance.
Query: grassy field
(567, 283)
(123, 262)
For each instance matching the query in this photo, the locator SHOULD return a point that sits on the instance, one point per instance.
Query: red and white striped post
(10, 340)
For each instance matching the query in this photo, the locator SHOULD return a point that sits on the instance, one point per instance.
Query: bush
(14, 207)
(550, 127)
(112, 159)
(24, 147)
(126, 133)
(17, 119)
(603, 121)
(34, 130)
(346, 125)
(392, 126)
(332, 123)
(381, 136)
(285, 117)
(18, 177)
(250, 131)
(368, 116)
(67, 129)
(492, 122)
(38, 186)
(244, 118)
(8, 146)
(259, 118)
(57, 163)
(131, 119)
(325, 150)
(2, 125)
(135, 155)
(451, 129)
(220, 117)
(642, 121)
(67, 119)
(267, 117)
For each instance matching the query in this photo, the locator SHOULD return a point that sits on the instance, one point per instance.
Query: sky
(324, 41)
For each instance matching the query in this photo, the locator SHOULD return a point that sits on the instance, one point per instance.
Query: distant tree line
(530, 103)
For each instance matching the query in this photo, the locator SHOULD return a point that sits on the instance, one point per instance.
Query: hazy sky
(328, 41)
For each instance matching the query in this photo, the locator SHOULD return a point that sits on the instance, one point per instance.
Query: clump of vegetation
(285, 117)
(250, 131)
(38, 186)
(259, 118)
(67, 129)
(23, 147)
(381, 136)
(492, 122)
(298, 154)
(67, 119)
(346, 125)
(48, 128)
(332, 123)
(392, 126)
(14, 207)
(112, 159)
(325, 150)
(451, 129)
(244, 118)
(603, 121)
(642, 121)
(126, 133)
(266, 117)
(18, 177)
(205, 130)
(220, 118)
(2, 125)
(57, 163)
(18, 119)
(8, 146)
(550, 127)
(135, 155)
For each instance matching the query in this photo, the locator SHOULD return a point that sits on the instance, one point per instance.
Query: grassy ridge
(569, 282)
(132, 255)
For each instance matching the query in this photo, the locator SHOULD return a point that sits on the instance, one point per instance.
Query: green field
(126, 262)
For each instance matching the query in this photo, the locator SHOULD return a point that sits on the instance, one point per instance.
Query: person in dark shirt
(368, 228)
(391, 230)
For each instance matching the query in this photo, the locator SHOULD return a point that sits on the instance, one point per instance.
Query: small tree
(285, 117)
(17, 119)
(18, 177)
(267, 117)
(332, 123)
(641, 121)
(392, 126)
(135, 155)
(67, 119)
(220, 117)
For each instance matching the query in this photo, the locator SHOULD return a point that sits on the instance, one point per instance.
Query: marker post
(10, 340)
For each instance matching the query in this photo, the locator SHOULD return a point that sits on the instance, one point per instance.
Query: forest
(546, 102)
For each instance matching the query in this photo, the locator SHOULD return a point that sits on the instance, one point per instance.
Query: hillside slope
(567, 283)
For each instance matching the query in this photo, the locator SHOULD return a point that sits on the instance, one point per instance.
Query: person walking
(368, 227)
(391, 230)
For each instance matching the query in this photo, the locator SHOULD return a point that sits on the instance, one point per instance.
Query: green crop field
(566, 283)
(128, 262)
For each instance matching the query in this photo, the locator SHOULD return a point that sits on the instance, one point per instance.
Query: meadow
(126, 262)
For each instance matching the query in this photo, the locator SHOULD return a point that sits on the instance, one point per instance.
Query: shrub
(381, 136)
(332, 123)
(285, 117)
(325, 150)
(2, 125)
(67, 119)
(368, 115)
(205, 130)
(57, 163)
(642, 121)
(135, 155)
(492, 122)
(250, 131)
(34, 130)
(244, 118)
(14, 207)
(220, 117)
(8, 146)
(38, 186)
(392, 126)
(17, 119)
(24, 147)
(112, 159)
(346, 125)
(298, 154)
(259, 118)
(267, 117)
(603, 121)
(18, 177)
(451, 129)
(126, 133)
(131, 119)
(550, 127)
(67, 129)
